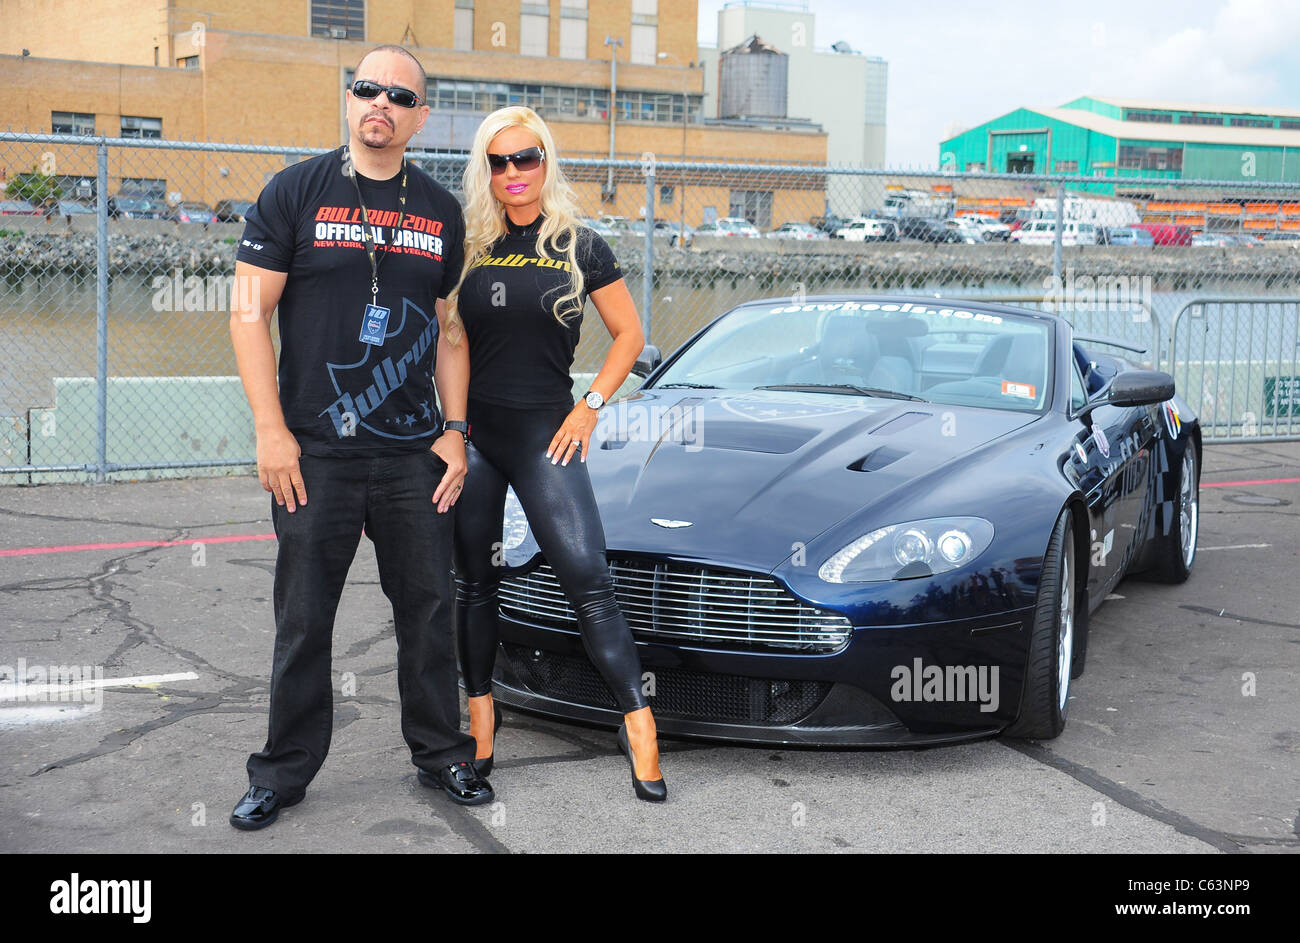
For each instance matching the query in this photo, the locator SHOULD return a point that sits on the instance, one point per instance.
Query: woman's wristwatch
(594, 399)
(457, 425)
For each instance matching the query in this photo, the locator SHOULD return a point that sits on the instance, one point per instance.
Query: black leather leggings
(508, 447)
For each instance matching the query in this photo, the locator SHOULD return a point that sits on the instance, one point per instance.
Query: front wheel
(1051, 643)
(1176, 550)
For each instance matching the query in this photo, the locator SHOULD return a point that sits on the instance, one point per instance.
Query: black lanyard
(367, 237)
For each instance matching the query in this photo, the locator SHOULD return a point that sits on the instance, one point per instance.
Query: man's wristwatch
(594, 399)
(457, 425)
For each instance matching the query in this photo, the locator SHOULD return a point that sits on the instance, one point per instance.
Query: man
(354, 427)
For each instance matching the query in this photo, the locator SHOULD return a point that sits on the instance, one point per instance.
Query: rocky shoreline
(910, 265)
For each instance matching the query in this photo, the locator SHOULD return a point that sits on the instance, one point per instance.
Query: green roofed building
(1122, 137)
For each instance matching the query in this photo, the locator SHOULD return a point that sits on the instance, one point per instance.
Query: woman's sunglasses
(530, 158)
(402, 97)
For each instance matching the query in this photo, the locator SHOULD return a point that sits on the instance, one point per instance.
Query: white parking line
(1238, 547)
(11, 690)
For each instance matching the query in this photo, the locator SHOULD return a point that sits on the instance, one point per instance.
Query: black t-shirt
(341, 396)
(519, 354)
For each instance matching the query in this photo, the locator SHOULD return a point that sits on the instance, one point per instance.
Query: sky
(953, 65)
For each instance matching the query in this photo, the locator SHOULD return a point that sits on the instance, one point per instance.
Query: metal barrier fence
(1254, 395)
(117, 258)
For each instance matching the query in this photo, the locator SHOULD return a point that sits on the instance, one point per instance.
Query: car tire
(1051, 642)
(1174, 554)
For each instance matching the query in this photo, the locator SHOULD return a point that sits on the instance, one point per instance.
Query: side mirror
(1140, 388)
(651, 358)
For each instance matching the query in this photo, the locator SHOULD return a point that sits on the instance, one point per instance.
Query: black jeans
(508, 447)
(391, 498)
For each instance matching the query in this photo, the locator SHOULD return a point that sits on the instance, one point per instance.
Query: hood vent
(878, 459)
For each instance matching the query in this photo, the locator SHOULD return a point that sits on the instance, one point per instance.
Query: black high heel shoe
(651, 790)
(484, 766)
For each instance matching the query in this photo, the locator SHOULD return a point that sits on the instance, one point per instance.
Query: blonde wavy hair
(485, 215)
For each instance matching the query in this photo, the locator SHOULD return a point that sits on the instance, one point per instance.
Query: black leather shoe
(484, 766)
(259, 808)
(461, 781)
(651, 790)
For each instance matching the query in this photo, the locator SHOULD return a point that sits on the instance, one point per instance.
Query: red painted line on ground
(1261, 481)
(69, 548)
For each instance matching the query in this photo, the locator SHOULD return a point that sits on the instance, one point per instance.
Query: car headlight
(905, 551)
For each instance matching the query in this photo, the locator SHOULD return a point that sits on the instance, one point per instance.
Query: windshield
(937, 354)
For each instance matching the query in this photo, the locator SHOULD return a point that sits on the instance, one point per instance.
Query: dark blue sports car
(864, 520)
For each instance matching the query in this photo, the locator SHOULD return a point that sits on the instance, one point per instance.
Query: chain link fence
(117, 257)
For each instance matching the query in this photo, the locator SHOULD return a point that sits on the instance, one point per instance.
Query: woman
(529, 267)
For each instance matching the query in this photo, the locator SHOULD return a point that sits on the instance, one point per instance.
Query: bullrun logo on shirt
(341, 227)
(518, 260)
(364, 387)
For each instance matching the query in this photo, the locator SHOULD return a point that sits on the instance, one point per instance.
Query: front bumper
(866, 694)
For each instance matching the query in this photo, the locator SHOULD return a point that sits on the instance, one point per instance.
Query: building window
(1201, 119)
(1158, 117)
(187, 62)
(144, 186)
(71, 122)
(1150, 158)
(463, 29)
(559, 100)
(534, 29)
(134, 127)
(753, 205)
(644, 47)
(1286, 125)
(1067, 166)
(338, 19)
(666, 195)
(1251, 122)
(573, 29)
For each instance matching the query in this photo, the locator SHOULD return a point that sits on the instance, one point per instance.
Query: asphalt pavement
(1183, 734)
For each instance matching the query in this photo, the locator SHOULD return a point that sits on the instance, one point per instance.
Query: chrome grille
(676, 602)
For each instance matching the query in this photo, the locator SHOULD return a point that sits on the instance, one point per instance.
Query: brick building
(249, 71)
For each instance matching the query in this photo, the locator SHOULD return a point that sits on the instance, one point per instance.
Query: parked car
(73, 208)
(828, 224)
(664, 229)
(617, 224)
(137, 206)
(1216, 239)
(1043, 232)
(1287, 237)
(926, 230)
(597, 226)
(966, 229)
(1168, 234)
(193, 213)
(865, 229)
(231, 211)
(801, 231)
(729, 226)
(887, 445)
(1124, 236)
(673, 232)
(993, 230)
(19, 208)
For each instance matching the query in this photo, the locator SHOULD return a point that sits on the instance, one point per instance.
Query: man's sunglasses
(402, 97)
(530, 158)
